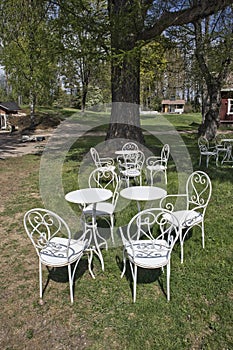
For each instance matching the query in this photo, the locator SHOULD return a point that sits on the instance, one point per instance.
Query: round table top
(123, 152)
(88, 195)
(143, 193)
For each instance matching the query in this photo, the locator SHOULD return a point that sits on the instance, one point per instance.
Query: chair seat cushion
(131, 172)
(209, 153)
(102, 208)
(156, 167)
(187, 218)
(108, 167)
(148, 254)
(56, 252)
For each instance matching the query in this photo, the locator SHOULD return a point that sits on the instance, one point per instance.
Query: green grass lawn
(199, 315)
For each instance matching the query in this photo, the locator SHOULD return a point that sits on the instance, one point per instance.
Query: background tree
(83, 35)
(152, 66)
(214, 42)
(29, 44)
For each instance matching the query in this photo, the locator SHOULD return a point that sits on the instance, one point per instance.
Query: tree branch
(199, 10)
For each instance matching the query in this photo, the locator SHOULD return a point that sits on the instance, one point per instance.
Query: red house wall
(225, 95)
(223, 109)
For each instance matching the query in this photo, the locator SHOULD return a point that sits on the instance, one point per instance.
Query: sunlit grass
(199, 315)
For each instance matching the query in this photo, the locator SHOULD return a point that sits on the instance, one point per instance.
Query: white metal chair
(155, 165)
(222, 148)
(148, 243)
(101, 161)
(130, 146)
(108, 179)
(130, 167)
(189, 208)
(54, 244)
(207, 151)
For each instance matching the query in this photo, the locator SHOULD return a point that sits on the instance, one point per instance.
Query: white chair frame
(146, 248)
(108, 179)
(207, 151)
(130, 167)
(158, 164)
(193, 206)
(130, 146)
(222, 148)
(54, 244)
(101, 161)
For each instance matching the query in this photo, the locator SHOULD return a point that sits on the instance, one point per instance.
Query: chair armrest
(107, 161)
(151, 161)
(170, 201)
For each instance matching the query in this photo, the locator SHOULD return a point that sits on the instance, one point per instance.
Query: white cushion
(156, 167)
(186, 217)
(57, 254)
(148, 253)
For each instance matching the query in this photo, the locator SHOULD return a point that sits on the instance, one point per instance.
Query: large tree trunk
(125, 74)
(125, 119)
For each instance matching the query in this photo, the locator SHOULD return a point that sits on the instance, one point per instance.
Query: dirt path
(11, 144)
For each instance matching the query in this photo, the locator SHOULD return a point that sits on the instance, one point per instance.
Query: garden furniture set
(221, 147)
(150, 235)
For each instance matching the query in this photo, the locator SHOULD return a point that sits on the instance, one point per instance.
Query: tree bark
(125, 73)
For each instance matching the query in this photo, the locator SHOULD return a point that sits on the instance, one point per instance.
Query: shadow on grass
(60, 274)
(144, 276)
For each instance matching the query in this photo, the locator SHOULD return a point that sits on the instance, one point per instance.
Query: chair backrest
(198, 190)
(42, 225)
(133, 160)
(165, 152)
(153, 224)
(203, 144)
(162, 159)
(107, 179)
(140, 159)
(95, 157)
(219, 144)
(130, 146)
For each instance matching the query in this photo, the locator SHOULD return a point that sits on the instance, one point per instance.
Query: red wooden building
(226, 108)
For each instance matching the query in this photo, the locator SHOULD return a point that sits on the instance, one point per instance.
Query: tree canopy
(41, 42)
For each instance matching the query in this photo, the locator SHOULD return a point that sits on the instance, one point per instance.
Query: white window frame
(230, 106)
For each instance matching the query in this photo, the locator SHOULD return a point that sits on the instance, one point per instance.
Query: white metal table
(143, 193)
(93, 196)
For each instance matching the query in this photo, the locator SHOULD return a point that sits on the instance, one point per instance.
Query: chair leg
(124, 262)
(111, 228)
(71, 285)
(134, 275)
(203, 235)
(168, 280)
(181, 248)
(40, 280)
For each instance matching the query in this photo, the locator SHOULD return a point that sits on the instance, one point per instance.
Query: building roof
(173, 102)
(10, 106)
